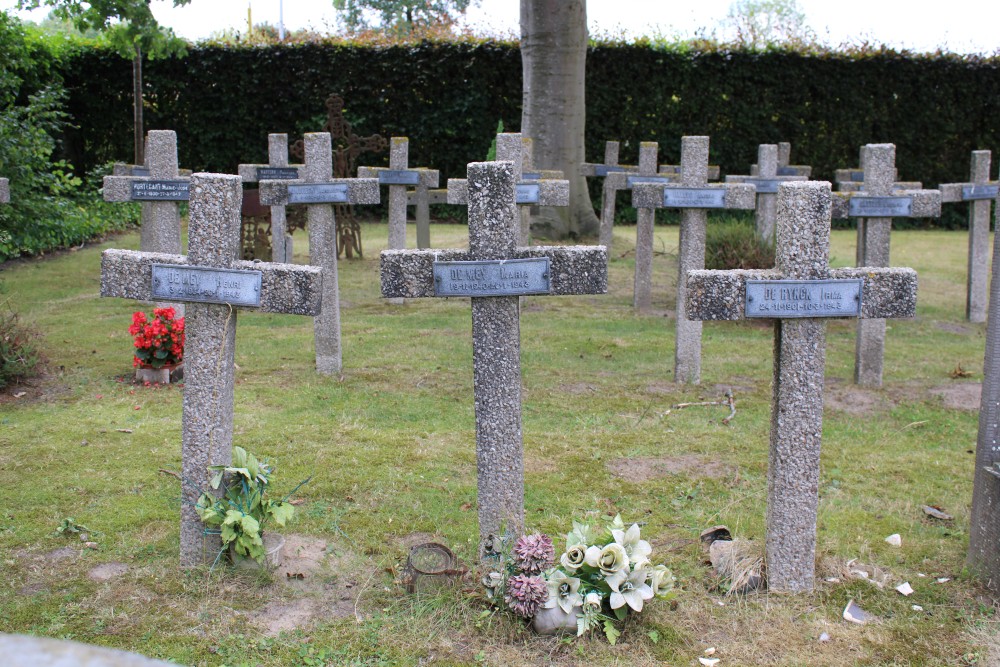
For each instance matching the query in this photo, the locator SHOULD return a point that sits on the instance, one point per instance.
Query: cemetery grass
(389, 450)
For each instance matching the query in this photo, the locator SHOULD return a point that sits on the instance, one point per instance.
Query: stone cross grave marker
(495, 272)
(213, 282)
(398, 177)
(766, 182)
(695, 197)
(798, 294)
(979, 192)
(160, 193)
(4, 191)
(784, 168)
(601, 170)
(984, 527)
(277, 168)
(874, 206)
(318, 190)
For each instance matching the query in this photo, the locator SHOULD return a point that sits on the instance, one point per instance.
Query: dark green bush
(732, 243)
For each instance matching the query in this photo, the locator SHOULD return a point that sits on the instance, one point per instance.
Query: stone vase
(555, 621)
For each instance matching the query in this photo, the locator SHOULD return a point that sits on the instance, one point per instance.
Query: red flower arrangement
(158, 342)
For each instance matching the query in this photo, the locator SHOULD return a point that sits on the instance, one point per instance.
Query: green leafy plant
(243, 511)
(734, 244)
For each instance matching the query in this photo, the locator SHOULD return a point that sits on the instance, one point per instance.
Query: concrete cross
(398, 176)
(694, 196)
(608, 194)
(766, 182)
(213, 282)
(875, 205)
(979, 192)
(4, 191)
(784, 168)
(277, 167)
(159, 193)
(495, 271)
(319, 191)
(984, 526)
(624, 180)
(798, 293)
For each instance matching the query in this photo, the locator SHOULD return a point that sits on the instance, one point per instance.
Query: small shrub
(733, 244)
(18, 354)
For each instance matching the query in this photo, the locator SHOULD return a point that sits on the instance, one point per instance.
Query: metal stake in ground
(694, 197)
(766, 181)
(798, 294)
(319, 191)
(277, 168)
(213, 282)
(979, 192)
(984, 526)
(875, 206)
(495, 272)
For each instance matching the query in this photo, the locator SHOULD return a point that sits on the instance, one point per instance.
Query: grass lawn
(391, 447)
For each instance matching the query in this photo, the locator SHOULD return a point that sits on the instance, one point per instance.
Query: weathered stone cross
(4, 191)
(694, 196)
(601, 170)
(277, 168)
(319, 191)
(797, 294)
(766, 181)
(213, 282)
(159, 193)
(979, 192)
(495, 272)
(398, 176)
(874, 206)
(784, 168)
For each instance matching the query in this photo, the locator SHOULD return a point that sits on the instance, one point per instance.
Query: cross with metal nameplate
(979, 192)
(875, 206)
(495, 272)
(213, 282)
(695, 197)
(4, 191)
(318, 190)
(784, 168)
(766, 182)
(398, 177)
(277, 168)
(608, 194)
(798, 294)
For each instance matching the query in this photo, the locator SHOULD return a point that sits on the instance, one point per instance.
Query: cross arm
(428, 178)
(737, 195)
(572, 269)
(4, 191)
(292, 289)
(359, 190)
(248, 172)
(592, 169)
(926, 203)
(119, 188)
(956, 192)
(898, 186)
(887, 293)
(551, 192)
(669, 169)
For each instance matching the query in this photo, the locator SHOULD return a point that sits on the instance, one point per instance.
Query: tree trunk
(140, 157)
(553, 59)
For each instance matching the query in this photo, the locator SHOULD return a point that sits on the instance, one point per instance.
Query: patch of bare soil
(578, 388)
(646, 468)
(959, 395)
(855, 400)
(36, 389)
(953, 328)
(107, 571)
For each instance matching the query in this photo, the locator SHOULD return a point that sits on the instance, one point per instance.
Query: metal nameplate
(511, 277)
(161, 190)
(780, 299)
(139, 171)
(694, 197)
(277, 173)
(880, 207)
(857, 175)
(605, 169)
(531, 176)
(631, 181)
(670, 169)
(975, 192)
(173, 282)
(398, 177)
(765, 186)
(317, 193)
(788, 171)
(526, 193)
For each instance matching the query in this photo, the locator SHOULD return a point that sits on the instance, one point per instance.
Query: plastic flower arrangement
(158, 341)
(603, 575)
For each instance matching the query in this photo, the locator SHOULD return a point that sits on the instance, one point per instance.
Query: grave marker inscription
(277, 168)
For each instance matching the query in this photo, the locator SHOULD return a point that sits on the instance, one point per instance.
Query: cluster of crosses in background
(500, 267)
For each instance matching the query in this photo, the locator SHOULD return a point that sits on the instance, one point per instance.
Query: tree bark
(140, 157)
(553, 58)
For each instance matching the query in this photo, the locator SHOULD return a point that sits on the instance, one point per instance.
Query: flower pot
(274, 549)
(162, 375)
(555, 621)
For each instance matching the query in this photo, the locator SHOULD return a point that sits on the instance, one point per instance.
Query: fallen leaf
(465, 507)
(709, 662)
(138, 407)
(90, 545)
(710, 651)
(959, 372)
(20, 394)
(943, 580)
(124, 430)
(297, 501)
(936, 512)
(917, 607)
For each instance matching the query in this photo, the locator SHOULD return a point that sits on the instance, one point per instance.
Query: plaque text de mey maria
(510, 277)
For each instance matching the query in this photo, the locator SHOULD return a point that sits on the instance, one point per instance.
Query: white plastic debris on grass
(905, 588)
(894, 540)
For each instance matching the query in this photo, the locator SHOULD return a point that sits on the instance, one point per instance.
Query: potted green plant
(158, 343)
(243, 512)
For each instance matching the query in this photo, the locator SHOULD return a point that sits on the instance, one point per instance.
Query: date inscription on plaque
(780, 299)
(526, 193)
(160, 190)
(173, 282)
(880, 207)
(317, 193)
(694, 197)
(605, 169)
(398, 177)
(510, 277)
(277, 173)
(764, 185)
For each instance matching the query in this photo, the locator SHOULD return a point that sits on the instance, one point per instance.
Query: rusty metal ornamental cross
(798, 294)
(277, 168)
(495, 272)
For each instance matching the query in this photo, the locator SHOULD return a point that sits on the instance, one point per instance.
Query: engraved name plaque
(531, 176)
(172, 282)
(857, 175)
(803, 298)
(139, 171)
(694, 197)
(880, 207)
(317, 193)
(605, 169)
(630, 181)
(160, 190)
(974, 192)
(398, 177)
(277, 173)
(764, 185)
(511, 277)
(788, 171)
(526, 193)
